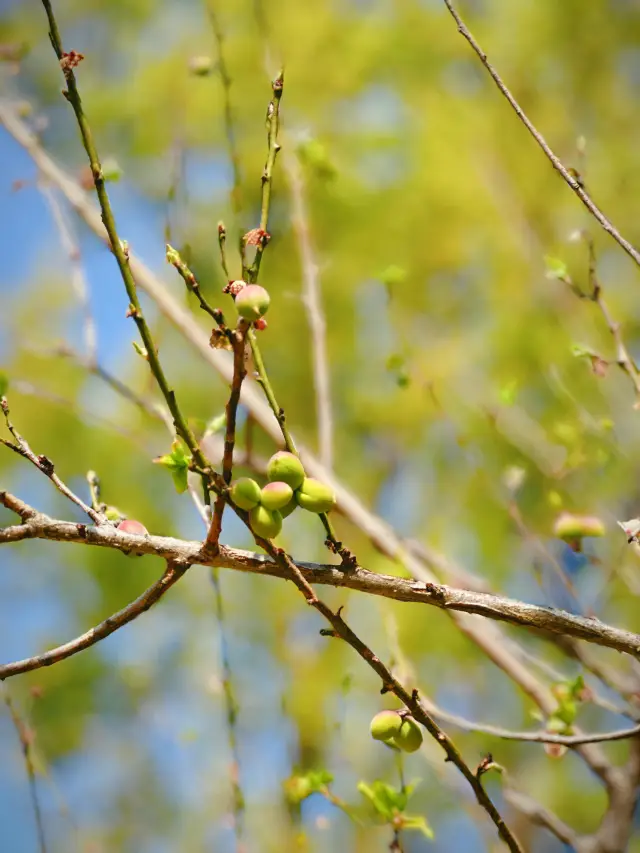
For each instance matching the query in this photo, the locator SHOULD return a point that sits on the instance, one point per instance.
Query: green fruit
(286, 511)
(245, 493)
(385, 725)
(409, 738)
(569, 526)
(252, 302)
(315, 496)
(276, 495)
(287, 468)
(265, 522)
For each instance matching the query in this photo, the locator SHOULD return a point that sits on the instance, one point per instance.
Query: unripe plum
(409, 738)
(252, 302)
(385, 725)
(245, 493)
(265, 523)
(130, 525)
(315, 496)
(286, 467)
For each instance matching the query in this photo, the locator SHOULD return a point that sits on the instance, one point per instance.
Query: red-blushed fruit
(265, 522)
(409, 738)
(252, 302)
(286, 467)
(245, 493)
(276, 495)
(260, 324)
(315, 496)
(385, 725)
(130, 525)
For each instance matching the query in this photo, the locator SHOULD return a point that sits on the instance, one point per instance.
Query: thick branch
(436, 595)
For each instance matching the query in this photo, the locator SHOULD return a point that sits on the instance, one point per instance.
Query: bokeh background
(456, 389)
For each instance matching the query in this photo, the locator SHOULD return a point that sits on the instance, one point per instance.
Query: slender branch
(45, 465)
(571, 180)
(273, 125)
(25, 736)
(172, 573)
(119, 249)
(239, 373)
(315, 315)
(539, 618)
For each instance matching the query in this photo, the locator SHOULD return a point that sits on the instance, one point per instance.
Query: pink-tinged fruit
(130, 525)
(252, 302)
(286, 467)
(276, 495)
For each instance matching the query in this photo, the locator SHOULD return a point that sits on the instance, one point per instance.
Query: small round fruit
(276, 495)
(245, 493)
(286, 467)
(265, 522)
(252, 302)
(385, 725)
(286, 511)
(315, 496)
(409, 738)
(569, 526)
(130, 525)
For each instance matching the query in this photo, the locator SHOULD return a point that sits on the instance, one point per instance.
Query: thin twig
(173, 572)
(573, 182)
(25, 736)
(239, 373)
(44, 464)
(312, 301)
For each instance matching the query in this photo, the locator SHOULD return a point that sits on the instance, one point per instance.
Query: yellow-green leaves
(177, 463)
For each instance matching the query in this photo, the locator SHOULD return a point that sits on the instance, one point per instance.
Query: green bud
(315, 496)
(252, 302)
(276, 495)
(265, 523)
(245, 493)
(409, 738)
(385, 725)
(287, 468)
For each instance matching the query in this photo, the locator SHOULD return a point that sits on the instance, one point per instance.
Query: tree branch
(172, 573)
(548, 619)
(571, 180)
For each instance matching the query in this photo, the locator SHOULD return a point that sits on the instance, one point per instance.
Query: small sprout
(177, 463)
(252, 302)
(130, 525)
(201, 66)
(276, 495)
(245, 493)
(409, 738)
(385, 725)
(315, 496)
(286, 467)
(265, 523)
(112, 513)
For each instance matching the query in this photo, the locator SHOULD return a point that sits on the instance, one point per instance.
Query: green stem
(117, 247)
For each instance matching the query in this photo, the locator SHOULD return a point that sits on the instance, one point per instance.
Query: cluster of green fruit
(288, 488)
(397, 729)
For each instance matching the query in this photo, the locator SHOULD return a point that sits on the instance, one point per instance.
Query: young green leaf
(177, 463)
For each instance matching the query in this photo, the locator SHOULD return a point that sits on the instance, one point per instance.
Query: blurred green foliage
(443, 238)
